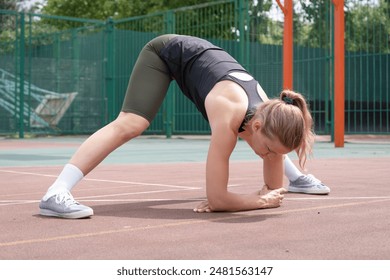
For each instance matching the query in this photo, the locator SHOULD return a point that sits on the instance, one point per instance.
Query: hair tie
(288, 100)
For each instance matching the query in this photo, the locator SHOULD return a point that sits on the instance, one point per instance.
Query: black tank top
(197, 65)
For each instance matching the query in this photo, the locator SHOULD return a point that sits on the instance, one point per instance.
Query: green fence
(69, 76)
(52, 80)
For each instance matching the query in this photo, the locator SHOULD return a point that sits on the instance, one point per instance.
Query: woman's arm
(217, 175)
(273, 170)
(225, 115)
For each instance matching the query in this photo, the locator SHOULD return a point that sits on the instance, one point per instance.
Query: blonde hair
(288, 119)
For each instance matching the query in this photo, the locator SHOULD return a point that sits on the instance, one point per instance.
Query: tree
(367, 24)
(368, 27)
(314, 27)
(105, 9)
(7, 5)
(18, 5)
(261, 26)
(117, 9)
(6, 22)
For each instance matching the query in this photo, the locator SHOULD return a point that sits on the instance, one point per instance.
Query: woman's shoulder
(227, 103)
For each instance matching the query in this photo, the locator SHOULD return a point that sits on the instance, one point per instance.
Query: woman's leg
(147, 88)
(58, 201)
(290, 170)
(100, 144)
(302, 183)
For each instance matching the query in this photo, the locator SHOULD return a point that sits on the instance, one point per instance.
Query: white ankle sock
(67, 179)
(290, 170)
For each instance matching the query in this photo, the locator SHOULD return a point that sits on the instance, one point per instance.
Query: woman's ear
(256, 125)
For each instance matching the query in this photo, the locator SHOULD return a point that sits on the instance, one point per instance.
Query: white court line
(17, 202)
(103, 180)
(140, 183)
(93, 198)
(337, 198)
(140, 200)
(24, 202)
(130, 193)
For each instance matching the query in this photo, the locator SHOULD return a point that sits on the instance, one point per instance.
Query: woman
(229, 99)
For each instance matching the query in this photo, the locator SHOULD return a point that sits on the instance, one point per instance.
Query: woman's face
(265, 147)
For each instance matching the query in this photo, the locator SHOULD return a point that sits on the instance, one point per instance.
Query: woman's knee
(130, 125)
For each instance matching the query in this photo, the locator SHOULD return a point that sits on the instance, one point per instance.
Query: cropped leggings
(149, 80)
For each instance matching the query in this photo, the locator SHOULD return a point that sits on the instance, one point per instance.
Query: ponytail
(299, 101)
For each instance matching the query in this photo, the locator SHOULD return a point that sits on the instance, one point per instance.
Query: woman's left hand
(265, 190)
(203, 207)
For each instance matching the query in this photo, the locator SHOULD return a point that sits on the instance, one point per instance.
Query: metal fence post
(329, 76)
(241, 8)
(169, 22)
(110, 70)
(75, 59)
(21, 76)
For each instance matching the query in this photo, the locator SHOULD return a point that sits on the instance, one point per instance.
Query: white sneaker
(63, 205)
(308, 184)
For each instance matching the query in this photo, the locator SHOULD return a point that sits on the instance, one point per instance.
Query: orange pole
(339, 95)
(287, 43)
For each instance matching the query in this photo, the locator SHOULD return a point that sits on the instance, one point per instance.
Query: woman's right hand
(271, 199)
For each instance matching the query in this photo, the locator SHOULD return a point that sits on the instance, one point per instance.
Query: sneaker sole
(308, 191)
(75, 215)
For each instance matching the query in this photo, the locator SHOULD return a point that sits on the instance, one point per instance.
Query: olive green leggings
(149, 80)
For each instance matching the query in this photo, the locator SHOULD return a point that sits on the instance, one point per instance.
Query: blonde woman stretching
(231, 101)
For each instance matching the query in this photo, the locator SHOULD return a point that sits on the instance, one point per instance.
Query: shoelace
(312, 179)
(65, 198)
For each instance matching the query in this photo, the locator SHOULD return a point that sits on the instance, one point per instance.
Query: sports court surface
(143, 195)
